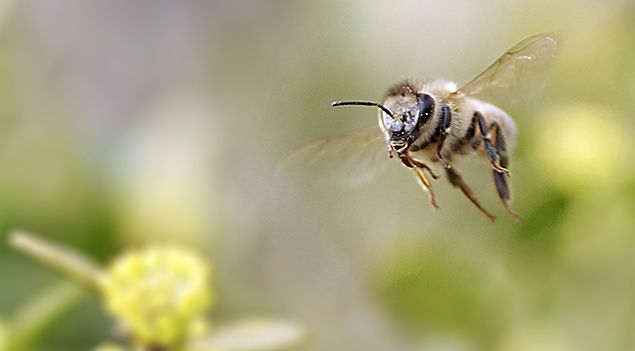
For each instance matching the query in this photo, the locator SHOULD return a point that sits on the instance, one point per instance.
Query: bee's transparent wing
(353, 158)
(519, 74)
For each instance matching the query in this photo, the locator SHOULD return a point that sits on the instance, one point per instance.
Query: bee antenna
(362, 103)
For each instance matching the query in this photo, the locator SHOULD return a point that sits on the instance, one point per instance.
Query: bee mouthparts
(399, 146)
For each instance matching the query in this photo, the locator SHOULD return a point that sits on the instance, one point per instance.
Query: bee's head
(408, 111)
(400, 117)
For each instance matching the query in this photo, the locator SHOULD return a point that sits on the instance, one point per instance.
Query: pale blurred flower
(166, 184)
(602, 240)
(533, 339)
(579, 146)
(3, 335)
(252, 334)
(109, 347)
(159, 294)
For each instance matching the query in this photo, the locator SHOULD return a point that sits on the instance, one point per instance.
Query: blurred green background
(128, 122)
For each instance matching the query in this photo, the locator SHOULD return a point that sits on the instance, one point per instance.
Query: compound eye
(426, 107)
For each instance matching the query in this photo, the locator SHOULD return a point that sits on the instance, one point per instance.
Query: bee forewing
(519, 74)
(353, 158)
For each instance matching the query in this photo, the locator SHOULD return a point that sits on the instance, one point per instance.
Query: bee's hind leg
(455, 179)
(490, 150)
(500, 180)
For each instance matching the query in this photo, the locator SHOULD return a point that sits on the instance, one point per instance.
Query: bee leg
(444, 129)
(455, 179)
(413, 163)
(422, 165)
(426, 185)
(490, 150)
(418, 167)
(500, 180)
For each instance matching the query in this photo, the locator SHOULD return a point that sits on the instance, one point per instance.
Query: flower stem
(77, 266)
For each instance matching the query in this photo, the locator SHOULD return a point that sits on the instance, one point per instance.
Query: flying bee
(438, 121)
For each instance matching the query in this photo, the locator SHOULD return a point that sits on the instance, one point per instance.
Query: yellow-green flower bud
(159, 294)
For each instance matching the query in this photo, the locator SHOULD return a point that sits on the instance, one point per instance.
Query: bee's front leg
(423, 180)
(425, 183)
(410, 162)
(391, 152)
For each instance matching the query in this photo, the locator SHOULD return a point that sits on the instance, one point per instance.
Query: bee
(439, 121)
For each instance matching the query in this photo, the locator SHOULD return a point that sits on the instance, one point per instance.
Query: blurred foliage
(159, 295)
(435, 291)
